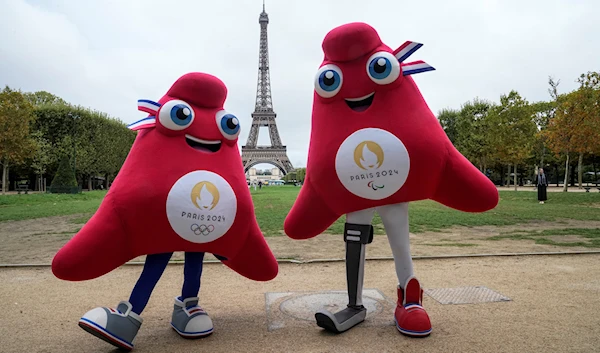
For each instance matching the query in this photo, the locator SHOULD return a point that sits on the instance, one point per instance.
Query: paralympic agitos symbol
(372, 185)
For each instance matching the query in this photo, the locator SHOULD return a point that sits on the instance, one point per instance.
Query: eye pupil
(229, 125)
(328, 81)
(380, 66)
(383, 68)
(182, 113)
(176, 115)
(329, 78)
(232, 123)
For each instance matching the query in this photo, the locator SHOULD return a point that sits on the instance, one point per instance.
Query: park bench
(23, 187)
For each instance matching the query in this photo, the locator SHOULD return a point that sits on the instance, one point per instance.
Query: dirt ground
(554, 307)
(36, 241)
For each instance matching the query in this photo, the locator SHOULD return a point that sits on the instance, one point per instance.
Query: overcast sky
(108, 54)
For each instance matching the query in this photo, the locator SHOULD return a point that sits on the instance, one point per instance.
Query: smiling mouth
(360, 104)
(202, 145)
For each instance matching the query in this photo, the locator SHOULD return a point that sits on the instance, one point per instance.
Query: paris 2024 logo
(372, 163)
(201, 206)
(369, 156)
(205, 196)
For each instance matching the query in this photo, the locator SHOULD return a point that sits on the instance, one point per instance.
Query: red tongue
(361, 108)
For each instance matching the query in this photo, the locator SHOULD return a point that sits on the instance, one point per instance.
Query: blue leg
(192, 271)
(153, 269)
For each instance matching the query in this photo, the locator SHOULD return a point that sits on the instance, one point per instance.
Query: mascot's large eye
(228, 124)
(328, 81)
(383, 68)
(176, 115)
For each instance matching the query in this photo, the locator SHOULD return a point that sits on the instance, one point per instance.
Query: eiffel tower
(264, 115)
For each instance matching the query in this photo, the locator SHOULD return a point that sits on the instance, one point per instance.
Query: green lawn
(273, 203)
(18, 207)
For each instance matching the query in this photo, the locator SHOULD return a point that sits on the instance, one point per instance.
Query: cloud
(107, 54)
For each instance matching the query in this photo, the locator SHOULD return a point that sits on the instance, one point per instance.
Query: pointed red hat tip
(199, 89)
(350, 41)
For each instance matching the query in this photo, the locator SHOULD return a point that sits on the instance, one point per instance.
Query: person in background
(542, 184)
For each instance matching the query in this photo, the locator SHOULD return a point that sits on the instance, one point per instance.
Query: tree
(41, 157)
(574, 129)
(300, 174)
(512, 130)
(448, 118)
(467, 130)
(587, 137)
(472, 132)
(101, 143)
(115, 140)
(291, 176)
(64, 181)
(42, 97)
(543, 112)
(16, 116)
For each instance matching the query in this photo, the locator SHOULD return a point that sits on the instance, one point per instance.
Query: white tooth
(361, 98)
(207, 142)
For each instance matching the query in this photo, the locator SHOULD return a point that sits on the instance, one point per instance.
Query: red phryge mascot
(375, 145)
(181, 188)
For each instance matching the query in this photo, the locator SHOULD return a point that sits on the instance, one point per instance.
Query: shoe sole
(326, 323)
(194, 335)
(415, 334)
(104, 335)
(331, 322)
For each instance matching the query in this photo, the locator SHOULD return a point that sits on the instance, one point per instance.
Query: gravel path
(554, 307)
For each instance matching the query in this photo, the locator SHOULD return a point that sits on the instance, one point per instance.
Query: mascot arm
(96, 249)
(309, 216)
(255, 261)
(464, 187)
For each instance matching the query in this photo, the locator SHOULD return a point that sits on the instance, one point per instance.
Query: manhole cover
(298, 308)
(305, 306)
(466, 295)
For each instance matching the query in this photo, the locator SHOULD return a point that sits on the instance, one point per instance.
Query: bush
(64, 181)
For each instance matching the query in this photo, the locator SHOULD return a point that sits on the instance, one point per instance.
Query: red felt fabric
(437, 170)
(132, 220)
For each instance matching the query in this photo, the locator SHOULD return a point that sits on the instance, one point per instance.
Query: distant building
(254, 175)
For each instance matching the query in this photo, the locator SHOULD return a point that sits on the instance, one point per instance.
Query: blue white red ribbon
(415, 67)
(406, 50)
(145, 123)
(150, 107)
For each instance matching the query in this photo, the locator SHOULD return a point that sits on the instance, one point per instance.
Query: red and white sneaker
(410, 317)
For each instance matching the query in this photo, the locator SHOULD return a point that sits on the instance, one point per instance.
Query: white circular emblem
(372, 163)
(201, 206)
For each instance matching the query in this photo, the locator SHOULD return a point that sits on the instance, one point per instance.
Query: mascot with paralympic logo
(181, 188)
(375, 146)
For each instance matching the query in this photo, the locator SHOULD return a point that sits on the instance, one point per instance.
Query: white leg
(361, 217)
(395, 221)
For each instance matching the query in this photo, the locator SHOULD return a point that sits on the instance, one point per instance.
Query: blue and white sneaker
(116, 326)
(190, 320)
